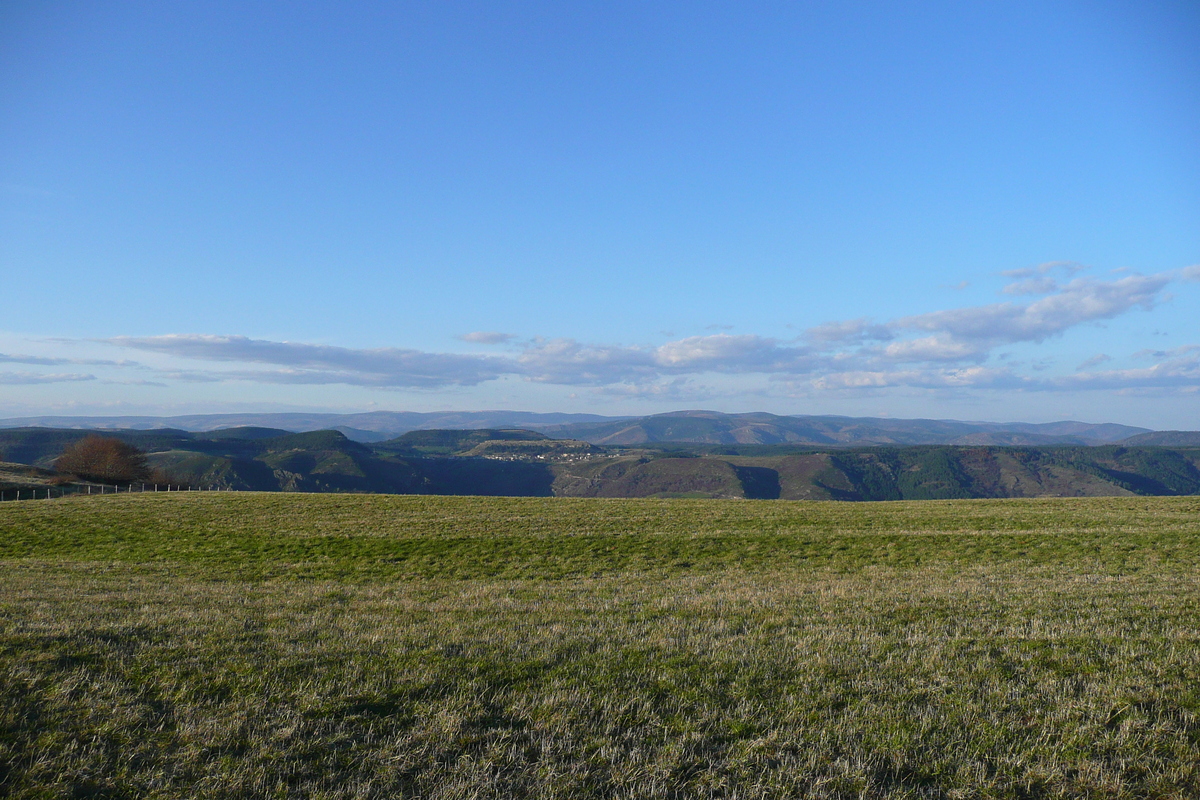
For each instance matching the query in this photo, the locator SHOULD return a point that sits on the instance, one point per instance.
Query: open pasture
(238, 644)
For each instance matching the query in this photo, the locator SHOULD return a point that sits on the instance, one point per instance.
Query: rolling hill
(711, 427)
(1164, 439)
(530, 463)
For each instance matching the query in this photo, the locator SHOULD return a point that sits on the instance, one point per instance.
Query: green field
(308, 645)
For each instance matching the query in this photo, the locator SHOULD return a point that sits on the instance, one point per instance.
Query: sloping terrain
(522, 462)
(455, 441)
(41, 446)
(660, 477)
(22, 476)
(251, 645)
(894, 473)
(711, 427)
(1164, 439)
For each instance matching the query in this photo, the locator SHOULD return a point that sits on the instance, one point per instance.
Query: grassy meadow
(302, 645)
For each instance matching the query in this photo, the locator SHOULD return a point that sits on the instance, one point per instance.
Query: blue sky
(957, 210)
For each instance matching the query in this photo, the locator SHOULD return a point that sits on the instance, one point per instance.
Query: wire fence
(98, 489)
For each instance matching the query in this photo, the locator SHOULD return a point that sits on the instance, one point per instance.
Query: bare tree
(104, 459)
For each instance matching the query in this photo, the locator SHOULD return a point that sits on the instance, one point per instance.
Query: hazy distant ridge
(366, 426)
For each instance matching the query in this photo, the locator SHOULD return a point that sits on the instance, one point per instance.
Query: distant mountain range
(697, 427)
(369, 426)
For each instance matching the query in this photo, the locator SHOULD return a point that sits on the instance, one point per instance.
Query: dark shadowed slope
(519, 462)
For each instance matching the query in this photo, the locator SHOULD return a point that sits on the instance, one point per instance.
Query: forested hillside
(528, 463)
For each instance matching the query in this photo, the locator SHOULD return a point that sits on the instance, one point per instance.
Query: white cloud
(487, 337)
(567, 362)
(1172, 353)
(29, 378)
(312, 363)
(969, 377)
(970, 335)
(50, 361)
(851, 331)
(931, 348)
(723, 352)
(676, 390)
(1082, 300)
(947, 349)
(1067, 268)
(1178, 373)
(1095, 360)
(1038, 285)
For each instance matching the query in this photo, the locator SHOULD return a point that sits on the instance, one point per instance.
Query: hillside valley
(530, 463)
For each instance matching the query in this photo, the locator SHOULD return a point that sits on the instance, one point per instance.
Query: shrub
(104, 459)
